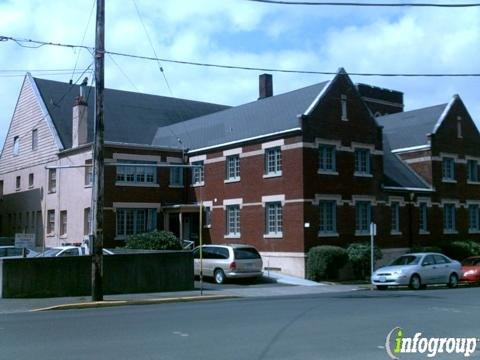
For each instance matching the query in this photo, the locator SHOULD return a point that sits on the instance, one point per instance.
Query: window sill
(120, 237)
(88, 186)
(176, 186)
(273, 236)
(358, 174)
(232, 236)
(450, 232)
(198, 184)
(232, 180)
(207, 226)
(449, 181)
(51, 234)
(63, 236)
(272, 175)
(471, 231)
(18, 189)
(327, 172)
(395, 233)
(52, 191)
(30, 186)
(423, 232)
(134, 184)
(327, 234)
(469, 182)
(362, 233)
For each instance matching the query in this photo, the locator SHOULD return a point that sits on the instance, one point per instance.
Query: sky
(243, 33)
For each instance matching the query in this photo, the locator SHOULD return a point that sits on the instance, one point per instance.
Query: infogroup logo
(397, 344)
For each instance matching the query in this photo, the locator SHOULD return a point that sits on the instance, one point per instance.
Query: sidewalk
(296, 287)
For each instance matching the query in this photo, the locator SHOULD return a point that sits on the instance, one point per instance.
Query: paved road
(343, 325)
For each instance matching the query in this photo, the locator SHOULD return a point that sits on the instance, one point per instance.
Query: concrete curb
(111, 303)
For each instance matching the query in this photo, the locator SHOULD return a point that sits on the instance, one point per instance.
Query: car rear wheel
(415, 282)
(453, 281)
(382, 287)
(219, 276)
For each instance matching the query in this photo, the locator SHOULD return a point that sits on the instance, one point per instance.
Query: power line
(160, 68)
(235, 67)
(330, 3)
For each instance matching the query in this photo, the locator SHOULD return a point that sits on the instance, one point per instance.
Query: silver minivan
(232, 261)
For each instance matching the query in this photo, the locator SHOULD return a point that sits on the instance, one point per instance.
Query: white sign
(25, 241)
(373, 229)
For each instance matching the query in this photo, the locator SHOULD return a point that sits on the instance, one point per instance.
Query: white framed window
(198, 175)
(363, 216)
(232, 219)
(52, 180)
(362, 162)
(473, 218)
(34, 139)
(30, 180)
(176, 176)
(16, 145)
(88, 172)
(87, 221)
(63, 222)
(449, 218)
(50, 221)
(273, 218)
(472, 170)
(232, 167)
(136, 174)
(135, 221)
(327, 158)
(395, 213)
(328, 216)
(343, 103)
(423, 217)
(273, 161)
(448, 168)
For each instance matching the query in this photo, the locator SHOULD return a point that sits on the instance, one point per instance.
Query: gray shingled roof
(410, 128)
(129, 117)
(397, 173)
(261, 117)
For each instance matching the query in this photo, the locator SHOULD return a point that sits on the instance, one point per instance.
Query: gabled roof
(410, 128)
(270, 115)
(397, 173)
(129, 117)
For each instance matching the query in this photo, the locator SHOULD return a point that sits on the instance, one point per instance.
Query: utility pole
(97, 253)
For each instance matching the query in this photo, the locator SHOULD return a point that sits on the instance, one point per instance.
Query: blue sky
(250, 34)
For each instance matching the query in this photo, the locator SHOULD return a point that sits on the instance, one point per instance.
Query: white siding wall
(28, 115)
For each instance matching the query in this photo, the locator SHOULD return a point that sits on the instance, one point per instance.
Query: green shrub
(324, 262)
(359, 256)
(460, 250)
(156, 240)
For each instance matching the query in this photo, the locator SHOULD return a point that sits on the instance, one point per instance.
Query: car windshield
(406, 260)
(50, 252)
(471, 262)
(246, 253)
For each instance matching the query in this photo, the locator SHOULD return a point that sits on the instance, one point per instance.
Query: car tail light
(233, 265)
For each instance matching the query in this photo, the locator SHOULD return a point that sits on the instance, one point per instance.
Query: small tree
(156, 240)
(324, 262)
(359, 255)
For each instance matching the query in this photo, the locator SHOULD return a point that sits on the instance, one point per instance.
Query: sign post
(373, 232)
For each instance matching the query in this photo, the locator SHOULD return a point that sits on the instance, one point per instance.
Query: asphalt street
(342, 325)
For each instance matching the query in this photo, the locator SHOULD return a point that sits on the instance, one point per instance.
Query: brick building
(284, 173)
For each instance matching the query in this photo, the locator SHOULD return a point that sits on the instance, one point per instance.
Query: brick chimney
(265, 86)
(80, 118)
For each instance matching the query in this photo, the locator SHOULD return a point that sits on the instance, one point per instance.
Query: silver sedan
(418, 270)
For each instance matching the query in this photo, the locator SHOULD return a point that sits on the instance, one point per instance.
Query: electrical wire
(250, 68)
(160, 68)
(83, 37)
(331, 3)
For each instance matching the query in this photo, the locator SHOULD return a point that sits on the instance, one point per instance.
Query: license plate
(382, 279)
